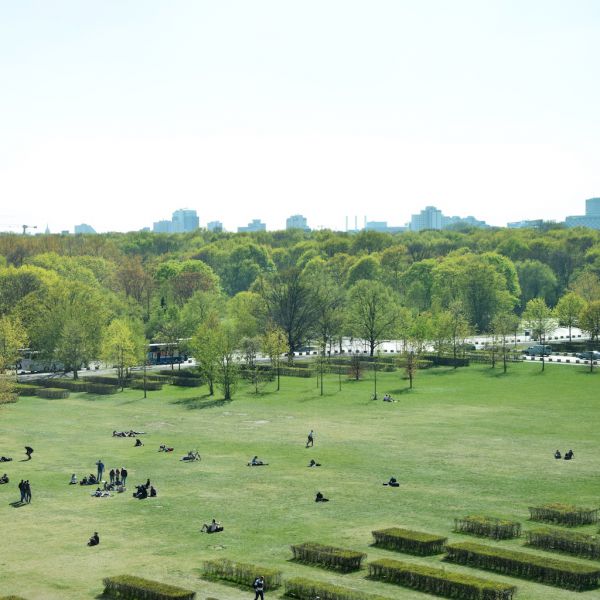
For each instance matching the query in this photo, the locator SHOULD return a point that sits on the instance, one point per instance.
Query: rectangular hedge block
(242, 573)
(561, 573)
(412, 542)
(571, 542)
(151, 386)
(52, 393)
(136, 588)
(101, 388)
(328, 557)
(439, 581)
(564, 514)
(480, 525)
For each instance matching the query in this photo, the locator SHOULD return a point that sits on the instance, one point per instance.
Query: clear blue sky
(116, 112)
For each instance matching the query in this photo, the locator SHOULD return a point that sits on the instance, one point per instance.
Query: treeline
(71, 297)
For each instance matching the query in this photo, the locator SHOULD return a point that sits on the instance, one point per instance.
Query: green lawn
(462, 442)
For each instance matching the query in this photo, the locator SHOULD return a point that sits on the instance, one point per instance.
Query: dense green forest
(89, 296)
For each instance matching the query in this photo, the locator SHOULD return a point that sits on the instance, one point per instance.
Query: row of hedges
(187, 381)
(295, 372)
(571, 542)
(242, 573)
(73, 385)
(480, 525)
(136, 588)
(439, 582)
(328, 557)
(151, 386)
(564, 514)
(105, 379)
(23, 389)
(52, 393)
(551, 571)
(446, 361)
(308, 589)
(412, 542)
(150, 376)
(179, 373)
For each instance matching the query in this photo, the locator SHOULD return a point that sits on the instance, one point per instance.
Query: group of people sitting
(192, 455)
(129, 433)
(4, 479)
(392, 482)
(144, 491)
(5, 459)
(101, 493)
(568, 455)
(212, 527)
(87, 480)
(164, 448)
(388, 398)
(256, 462)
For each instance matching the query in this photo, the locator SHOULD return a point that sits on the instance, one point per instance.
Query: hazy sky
(116, 112)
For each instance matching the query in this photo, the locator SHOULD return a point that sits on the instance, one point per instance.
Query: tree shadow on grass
(200, 402)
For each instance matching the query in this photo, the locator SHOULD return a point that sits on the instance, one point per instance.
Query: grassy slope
(465, 441)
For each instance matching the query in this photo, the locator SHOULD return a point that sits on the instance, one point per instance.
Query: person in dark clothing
(152, 492)
(569, 455)
(557, 455)
(22, 491)
(111, 475)
(100, 466)
(321, 498)
(259, 588)
(392, 482)
(310, 441)
(94, 540)
(124, 475)
(29, 452)
(4, 479)
(27, 490)
(5, 459)
(313, 463)
(138, 442)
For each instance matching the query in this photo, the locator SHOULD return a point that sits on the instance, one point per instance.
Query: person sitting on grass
(569, 455)
(557, 455)
(152, 492)
(141, 492)
(313, 463)
(212, 527)
(138, 442)
(163, 448)
(73, 479)
(388, 398)
(392, 482)
(5, 459)
(100, 494)
(4, 479)
(192, 455)
(321, 498)
(94, 540)
(256, 462)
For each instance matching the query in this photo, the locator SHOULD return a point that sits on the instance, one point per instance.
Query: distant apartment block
(383, 227)
(162, 227)
(532, 224)
(429, 218)
(84, 228)
(215, 226)
(297, 222)
(254, 225)
(185, 220)
(591, 218)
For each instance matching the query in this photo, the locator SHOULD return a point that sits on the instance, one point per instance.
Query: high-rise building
(429, 218)
(254, 225)
(162, 227)
(591, 218)
(215, 226)
(83, 228)
(297, 222)
(592, 207)
(184, 220)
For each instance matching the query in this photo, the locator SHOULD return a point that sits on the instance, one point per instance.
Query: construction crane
(26, 227)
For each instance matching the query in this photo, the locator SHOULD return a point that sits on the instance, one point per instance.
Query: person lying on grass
(5, 459)
(321, 498)
(256, 462)
(392, 482)
(212, 527)
(191, 456)
(164, 448)
(313, 463)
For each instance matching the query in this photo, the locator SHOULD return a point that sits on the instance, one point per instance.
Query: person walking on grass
(100, 466)
(311, 439)
(29, 452)
(259, 588)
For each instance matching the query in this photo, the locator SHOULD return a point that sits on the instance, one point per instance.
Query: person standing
(100, 466)
(259, 588)
(111, 474)
(29, 452)
(22, 491)
(311, 438)
(27, 488)
(123, 475)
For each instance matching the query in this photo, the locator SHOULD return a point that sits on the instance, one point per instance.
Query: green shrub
(413, 542)
(480, 525)
(136, 588)
(551, 571)
(101, 388)
(439, 581)
(151, 386)
(193, 372)
(73, 385)
(23, 389)
(242, 573)
(564, 514)
(52, 393)
(571, 542)
(103, 379)
(308, 589)
(150, 376)
(295, 372)
(328, 557)
(187, 381)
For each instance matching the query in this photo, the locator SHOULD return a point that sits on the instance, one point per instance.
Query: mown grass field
(462, 442)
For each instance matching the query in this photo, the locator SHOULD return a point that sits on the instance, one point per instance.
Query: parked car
(589, 355)
(538, 350)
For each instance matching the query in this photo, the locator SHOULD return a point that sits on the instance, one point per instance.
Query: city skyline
(265, 109)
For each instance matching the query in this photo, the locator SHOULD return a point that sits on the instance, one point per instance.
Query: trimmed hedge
(136, 588)
(561, 573)
(52, 393)
(151, 386)
(439, 581)
(187, 381)
(328, 557)
(73, 385)
(308, 589)
(150, 376)
(242, 573)
(412, 542)
(194, 373)
(295, 372)
(23, 389)
(101, 388)
(571, 542)
(482, 526)
(104, 379)
(564, 514)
